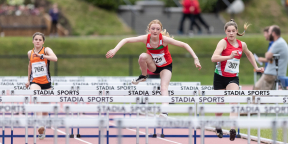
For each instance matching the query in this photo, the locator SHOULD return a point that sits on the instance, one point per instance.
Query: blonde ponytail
(246, 25)
(233, 23)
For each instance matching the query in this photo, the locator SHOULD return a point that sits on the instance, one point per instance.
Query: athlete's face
(155, 30)
(231, 32)
(266, 35)
(38, 41)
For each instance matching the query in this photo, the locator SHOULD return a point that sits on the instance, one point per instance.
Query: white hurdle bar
(147, 93)
(56, 92)
(202, 122)
(127, 83)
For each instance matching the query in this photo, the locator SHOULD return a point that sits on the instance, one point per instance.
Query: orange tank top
(40, 73)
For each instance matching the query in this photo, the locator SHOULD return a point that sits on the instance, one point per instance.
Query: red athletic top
(39, 68)
(195, 4)
(232, 67)
(186, 6)
(161, 54)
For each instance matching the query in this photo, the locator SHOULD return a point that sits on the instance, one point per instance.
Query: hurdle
(5, 99)
(132, 109)
(126, 83)
(202, 122)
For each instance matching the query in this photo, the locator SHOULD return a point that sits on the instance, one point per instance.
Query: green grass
(183, 67)
(87, 19)
(260, 15)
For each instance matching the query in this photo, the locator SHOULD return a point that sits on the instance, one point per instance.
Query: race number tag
(232, 66)
(159, 59)
(39, 69)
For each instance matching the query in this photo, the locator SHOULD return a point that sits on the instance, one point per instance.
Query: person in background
(54, 13)
(279, 46)
(266, 35)
(196, 12)
(187, 13)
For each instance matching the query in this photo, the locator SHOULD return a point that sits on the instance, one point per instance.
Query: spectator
(187, 9)
(54, 13)
(266, 35)
(196, 12)
(279, 46)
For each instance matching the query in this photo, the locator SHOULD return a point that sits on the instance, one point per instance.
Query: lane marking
(145, 133)
(74, 137)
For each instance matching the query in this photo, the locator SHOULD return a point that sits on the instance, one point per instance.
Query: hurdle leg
(78, 129)
(67, 135)
(26, 130)
(3, 129)
(259, 130)
(119, 123)
(284, 132)
(72, 135)
(190, 134)
(154, 135)
(107, 133)
(12, 114)
(34, 136)
(274, 132)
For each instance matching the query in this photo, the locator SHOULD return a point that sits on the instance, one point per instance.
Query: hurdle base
(71, 136)
(78, 136)
(238, 136)
(162, 136)
(154, 136)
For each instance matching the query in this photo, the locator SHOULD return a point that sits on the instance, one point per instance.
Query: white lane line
(145, 133)
(74, 138)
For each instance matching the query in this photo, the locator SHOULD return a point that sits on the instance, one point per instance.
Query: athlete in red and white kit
(227, 55)
(158, 58)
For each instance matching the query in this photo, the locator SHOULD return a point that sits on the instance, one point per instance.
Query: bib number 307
(232, 66)
(39, 69)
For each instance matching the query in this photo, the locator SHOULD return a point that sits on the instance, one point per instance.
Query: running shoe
(140, 79)
(219, 132)
(232, 134)
(41, 132)
(164, 114)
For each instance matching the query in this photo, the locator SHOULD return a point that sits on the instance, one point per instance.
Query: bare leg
(165, 76)
(219, 114)
(232, 86)
(146, 62)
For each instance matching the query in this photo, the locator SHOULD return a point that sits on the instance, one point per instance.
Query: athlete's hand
(27, 84)
(110, 53)
(233, 54)
(197, 63)
(36, 55)
(261, 69)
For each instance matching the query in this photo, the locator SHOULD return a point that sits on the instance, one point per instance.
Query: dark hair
(38, 33)
(277, 30)
(233, 23)
(266, 29)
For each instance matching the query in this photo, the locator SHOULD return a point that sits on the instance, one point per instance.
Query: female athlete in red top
(227, 55)
(158, 58)
(38, 69)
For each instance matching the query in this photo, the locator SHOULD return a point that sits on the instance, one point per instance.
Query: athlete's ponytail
(163, 31)
(233, 23)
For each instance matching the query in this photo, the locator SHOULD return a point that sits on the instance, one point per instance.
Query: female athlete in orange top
(38, 69)
(158, 58)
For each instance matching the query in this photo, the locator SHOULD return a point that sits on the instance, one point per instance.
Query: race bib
(232, 66)
(159, 59)
(39, 69)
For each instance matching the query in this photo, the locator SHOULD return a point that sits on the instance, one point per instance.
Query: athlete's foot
(219, 132)
(41, 132)
(232, 134)
(141, 78)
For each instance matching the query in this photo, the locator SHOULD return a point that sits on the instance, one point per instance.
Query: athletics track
(126, 131)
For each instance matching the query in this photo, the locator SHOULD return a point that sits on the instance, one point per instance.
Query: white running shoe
(41, 132)
(141, 78)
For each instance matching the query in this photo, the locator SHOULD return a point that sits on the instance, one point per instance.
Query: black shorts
(221, 82)
(43, 86)
(159, 69)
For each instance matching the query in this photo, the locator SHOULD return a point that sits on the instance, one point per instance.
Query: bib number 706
(39, 69)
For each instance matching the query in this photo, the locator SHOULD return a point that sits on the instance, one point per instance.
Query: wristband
(41, 57)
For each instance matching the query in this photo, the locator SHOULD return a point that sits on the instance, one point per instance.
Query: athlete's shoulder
(222, 41)
(29, 53)
(243, 44)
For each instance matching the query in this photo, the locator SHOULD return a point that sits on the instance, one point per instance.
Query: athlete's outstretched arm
(112, 52)
(50, 55)
(29, 70)
(172, 41)
(251, 58)
(216, 57)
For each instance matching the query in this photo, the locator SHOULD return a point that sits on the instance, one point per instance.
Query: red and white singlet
(161, 54)
(229, 68)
